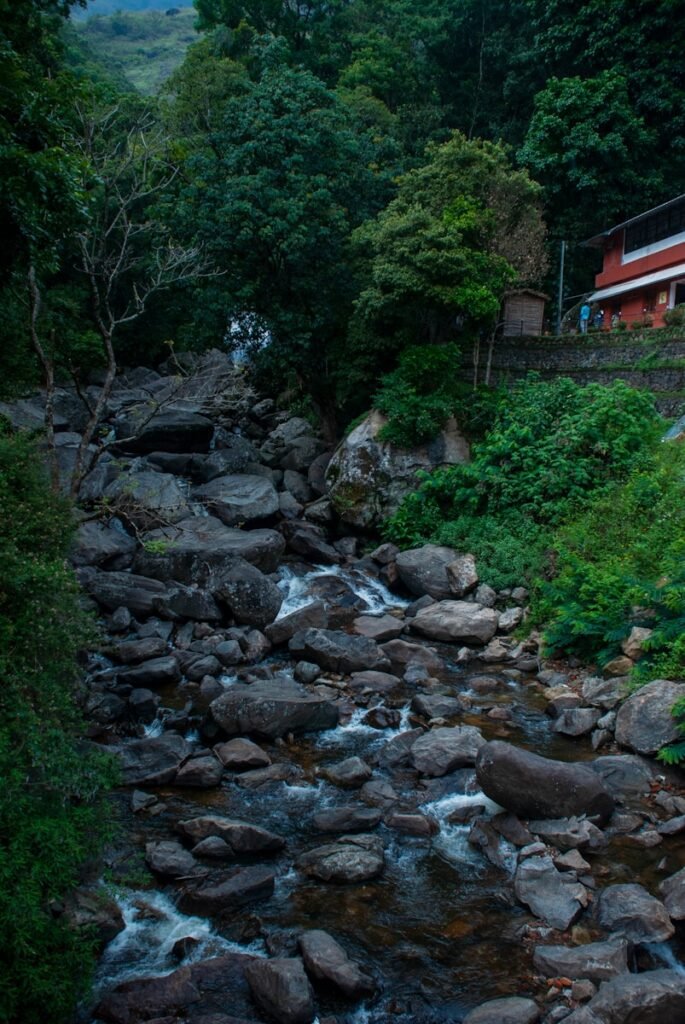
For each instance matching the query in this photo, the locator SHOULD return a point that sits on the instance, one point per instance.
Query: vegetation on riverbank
(51, 817)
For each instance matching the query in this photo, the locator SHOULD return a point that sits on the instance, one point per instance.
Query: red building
(644, 265)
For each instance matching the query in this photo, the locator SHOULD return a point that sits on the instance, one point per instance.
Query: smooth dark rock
(170, 430)
(673, 891)
(313, 615)
(538, 787)
(338, 652)
(154, 761)
(435, 705)
(326, 961)
(170, 859)
(200, 772)
(272, 708)
(629, 910)
(350, 859)
(350, 773)
(509, 1010)
(250, 596)
(195, 547)
(281, 988)
(644, 723)
(347, 819)
(241, 836)
(239, 889)
(442, 750)
(97, 544)
(156, 672)
(598, 961)
(241, 754)
(654, 997)
(239, 498)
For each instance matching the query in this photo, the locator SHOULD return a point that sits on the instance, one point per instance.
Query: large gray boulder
(97, 544)
(644, 722)
(508, 1010)
(153, 761)
(464, 622)
(654, 997)
(272, 708)
(673, 891)
(240, 836)
(438, 571)
(312, 616)
(350, 859)
(338, 652)
(250, 596)
(598, 961)
(282, 989)
(147, 498)
(240, 888)
(198, 545)
(629, 910)
(442, 750)
(368, 478)
(556, 897)
(233, 456)
(142, 430)
(538, 787)
(326, 961)
(239, 498)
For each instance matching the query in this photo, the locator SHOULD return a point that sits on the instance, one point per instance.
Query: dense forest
(339, 193)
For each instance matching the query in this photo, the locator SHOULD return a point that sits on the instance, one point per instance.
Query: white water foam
(153, 729)
(451, 843)
(662, 952)
(152, 926)
(297, 593)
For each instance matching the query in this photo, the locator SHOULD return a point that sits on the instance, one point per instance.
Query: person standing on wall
(584, 317)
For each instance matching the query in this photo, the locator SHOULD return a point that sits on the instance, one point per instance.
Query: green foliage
(144, 48)
(551, 446)
(675, 317)
(620, 564)
(50, 817)
(420, 395)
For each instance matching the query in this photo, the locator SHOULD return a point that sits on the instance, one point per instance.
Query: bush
(420, 395)
(675, 317)
(620, 564)
(50, 819)
(551, 446)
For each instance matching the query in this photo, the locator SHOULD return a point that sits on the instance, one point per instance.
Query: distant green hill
(96, 7)
(142, 46)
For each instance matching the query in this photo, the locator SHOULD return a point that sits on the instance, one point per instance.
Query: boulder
(629, 910)
(508, 1010)
(93, 910)
(576, 721)
(673, 891)
(373, 682)
(442, 750)
(239, 499)
(170, 430)
(241, 754)
(644, 722)
(250, 596)
(553, 896)
(598, 961)
(147, 499)
(153, 761)
(653, 997)
(272, 708)
(131, 652)
(282, 990)
(435, 705)
(626, 776)
(424, 571)
(601, 693)
(326, 961)
(309, 542)
(234, 455)
(404, 655)
(112, 590)
(568, 833)
(413, 824)
(312, 616)
(538, 787)
(241, 888)
(97, 544)
(457, 622)
(633, 645)
(240, 836)
(202, 772)
(156, 672)
(146, 998)
(338, 652)
(349, 774)
(349, 859)
(368, 478)
(341, 602)
(378, 627)
(193, 548)
(347, 819)
(170, 859)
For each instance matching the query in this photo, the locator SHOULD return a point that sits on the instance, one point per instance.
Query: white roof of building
(638, 282)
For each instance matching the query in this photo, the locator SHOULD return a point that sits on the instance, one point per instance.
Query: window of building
(649, 301)
(655, 228)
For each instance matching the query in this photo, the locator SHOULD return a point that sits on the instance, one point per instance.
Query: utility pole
(560, 296)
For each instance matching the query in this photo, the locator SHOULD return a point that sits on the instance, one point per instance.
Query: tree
(274, 198)
(586, 140)
(461, 229)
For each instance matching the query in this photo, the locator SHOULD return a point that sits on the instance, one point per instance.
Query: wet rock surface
(316, 750)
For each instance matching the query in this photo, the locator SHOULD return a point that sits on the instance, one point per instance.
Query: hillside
(142, 46)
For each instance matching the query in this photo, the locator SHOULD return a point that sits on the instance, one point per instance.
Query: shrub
(551, 445)
(675, 317)
(420, 395)
(50, 821)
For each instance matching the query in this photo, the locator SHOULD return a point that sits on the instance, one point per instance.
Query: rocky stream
(350, 791)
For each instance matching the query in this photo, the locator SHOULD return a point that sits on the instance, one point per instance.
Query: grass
(144, 47)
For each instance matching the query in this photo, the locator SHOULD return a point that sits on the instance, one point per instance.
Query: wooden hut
(523, 312)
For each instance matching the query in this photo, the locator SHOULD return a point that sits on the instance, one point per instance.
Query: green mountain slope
(144, 47)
